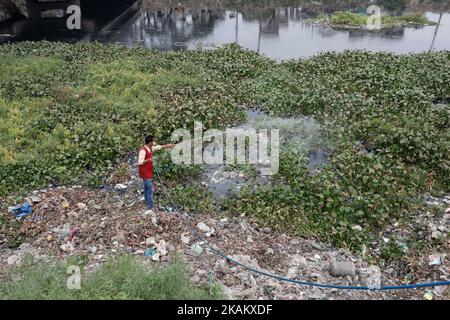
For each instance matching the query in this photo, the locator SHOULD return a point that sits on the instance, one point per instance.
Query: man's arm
(160, 147)
(141, 156)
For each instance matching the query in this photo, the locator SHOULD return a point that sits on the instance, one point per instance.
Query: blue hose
(285, 279)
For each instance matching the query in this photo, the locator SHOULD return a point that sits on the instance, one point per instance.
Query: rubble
(93, 223)
(81, 206)
(428, 295)
(436, 259)
(33, 199)
(13, 260)
(120, 186)
(196, 250)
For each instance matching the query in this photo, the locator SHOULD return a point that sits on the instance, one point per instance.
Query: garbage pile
(67, 221)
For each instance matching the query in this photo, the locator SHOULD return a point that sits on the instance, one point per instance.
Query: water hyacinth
(69, 111)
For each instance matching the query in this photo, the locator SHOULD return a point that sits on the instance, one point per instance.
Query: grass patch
(121, 277)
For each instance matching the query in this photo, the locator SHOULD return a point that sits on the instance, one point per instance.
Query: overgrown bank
(70, 111)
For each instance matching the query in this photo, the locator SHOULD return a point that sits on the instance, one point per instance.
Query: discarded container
(169, 209)
(185, 238)
(436, 259)
(342, 269)
(428, 295)
(150, 252)
(203, 227)
(22, 211)
(120, 186)
(81, 205)
(197, 249)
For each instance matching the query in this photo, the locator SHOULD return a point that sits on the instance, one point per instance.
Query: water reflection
(279, 32)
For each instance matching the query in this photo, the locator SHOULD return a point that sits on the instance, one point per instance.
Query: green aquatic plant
(388, 142)
(348, 19)
(357, 20)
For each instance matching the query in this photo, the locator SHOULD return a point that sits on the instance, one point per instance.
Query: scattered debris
(317, 295)
(81, 206)
(196, 249)
(33, 199)
(67, 247)
(436, 259)
(150, 252)
(267, 230)
(205, 228)
(185, 238)
(374, 277)
(120, 186)
(13, 260)
(428, 295)
(436, 234)
(92, 223)
(22, 210)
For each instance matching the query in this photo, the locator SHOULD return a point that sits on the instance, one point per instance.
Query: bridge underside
(37, 9)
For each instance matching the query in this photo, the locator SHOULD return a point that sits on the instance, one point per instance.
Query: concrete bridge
(50, 15)
(37, 9)
(56, 9)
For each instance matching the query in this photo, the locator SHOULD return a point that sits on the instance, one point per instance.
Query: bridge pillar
(35, 8)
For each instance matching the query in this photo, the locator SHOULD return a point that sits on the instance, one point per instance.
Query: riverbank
(71, 113)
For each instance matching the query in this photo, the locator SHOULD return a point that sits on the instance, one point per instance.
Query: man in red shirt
(145, 163)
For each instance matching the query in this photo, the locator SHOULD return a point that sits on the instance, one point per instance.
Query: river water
(291, 39)
(277, 32)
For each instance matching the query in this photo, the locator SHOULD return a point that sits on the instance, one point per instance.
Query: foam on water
(302, 136)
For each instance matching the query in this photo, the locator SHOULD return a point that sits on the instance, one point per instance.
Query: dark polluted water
(276, 32)
(300, 136)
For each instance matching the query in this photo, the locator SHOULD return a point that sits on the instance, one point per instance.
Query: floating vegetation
(299, 136)
(350, 20)
(69, 111)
